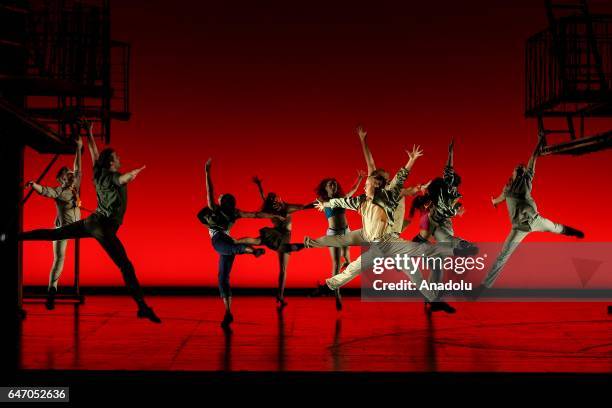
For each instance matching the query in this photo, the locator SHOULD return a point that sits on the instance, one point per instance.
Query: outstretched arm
(130, 175)
(355, 186)
(78, 161)
(451, 154)
(257, 181)
(291, 208)
(394, 189)
(91, 143)
(351, 203)
(259, 214)
(43, 190)
(210, 195)
(363, 135)
(536, 153)
(499, 199)
(414, 190)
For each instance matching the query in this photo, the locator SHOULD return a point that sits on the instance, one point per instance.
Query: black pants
(104, 230)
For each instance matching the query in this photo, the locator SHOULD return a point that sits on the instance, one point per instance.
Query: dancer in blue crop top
(337, 223)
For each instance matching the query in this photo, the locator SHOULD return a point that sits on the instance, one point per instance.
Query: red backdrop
(276, 92)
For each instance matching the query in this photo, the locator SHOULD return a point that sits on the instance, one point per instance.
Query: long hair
(420, 203)
(105, 158)
(321, 189)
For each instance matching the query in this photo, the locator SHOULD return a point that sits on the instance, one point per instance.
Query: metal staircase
(569, 77)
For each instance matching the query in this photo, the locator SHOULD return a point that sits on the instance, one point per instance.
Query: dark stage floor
(310, 335)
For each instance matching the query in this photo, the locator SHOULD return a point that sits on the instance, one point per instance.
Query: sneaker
(572, 232)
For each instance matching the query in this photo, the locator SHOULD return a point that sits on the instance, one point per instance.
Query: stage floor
(104, 334)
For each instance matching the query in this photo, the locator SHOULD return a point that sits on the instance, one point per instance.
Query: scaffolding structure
(58, 66)
(568, 72)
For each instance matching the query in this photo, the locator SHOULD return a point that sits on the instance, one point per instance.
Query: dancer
(337, 224)
(66, 197)
(524, 215)
(103, 224)
(278, 237)
(219, 217)
(443, 196)
(377, 208)
(355, 238)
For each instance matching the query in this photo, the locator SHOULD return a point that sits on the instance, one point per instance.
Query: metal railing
(562, 71)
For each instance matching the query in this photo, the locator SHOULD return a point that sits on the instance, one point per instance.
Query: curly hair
(321, 189)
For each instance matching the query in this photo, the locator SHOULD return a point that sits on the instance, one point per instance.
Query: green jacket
(387, 199)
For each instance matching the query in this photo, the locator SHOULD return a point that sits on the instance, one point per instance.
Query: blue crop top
(332, 212)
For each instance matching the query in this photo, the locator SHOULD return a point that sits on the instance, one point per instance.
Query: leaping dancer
(104, 223)
(377, 208)
(337, 224)
(524, 215)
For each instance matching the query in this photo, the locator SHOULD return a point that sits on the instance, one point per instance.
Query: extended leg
(248, 241)
(512, 242)
(225, 268)
(353, 238)
(542, 224)
(364, 262)
(336, 256)
(75, 230)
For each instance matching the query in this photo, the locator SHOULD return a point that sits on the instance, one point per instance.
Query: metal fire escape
(569, 78)
(58, 65)
(73, 67)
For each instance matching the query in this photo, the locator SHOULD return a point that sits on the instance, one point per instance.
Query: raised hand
(451, 145)
(415, 153)
(79, 142)
(361, 174)
(361, 132)
(256, 180)
(208, 163)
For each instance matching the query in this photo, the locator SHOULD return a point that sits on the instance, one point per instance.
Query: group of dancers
(382, 207)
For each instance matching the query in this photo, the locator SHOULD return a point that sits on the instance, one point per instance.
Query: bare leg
(59, 255)
(248, 241)
(283, 260)
(346, 254)
(227, 302)
(336, 254)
